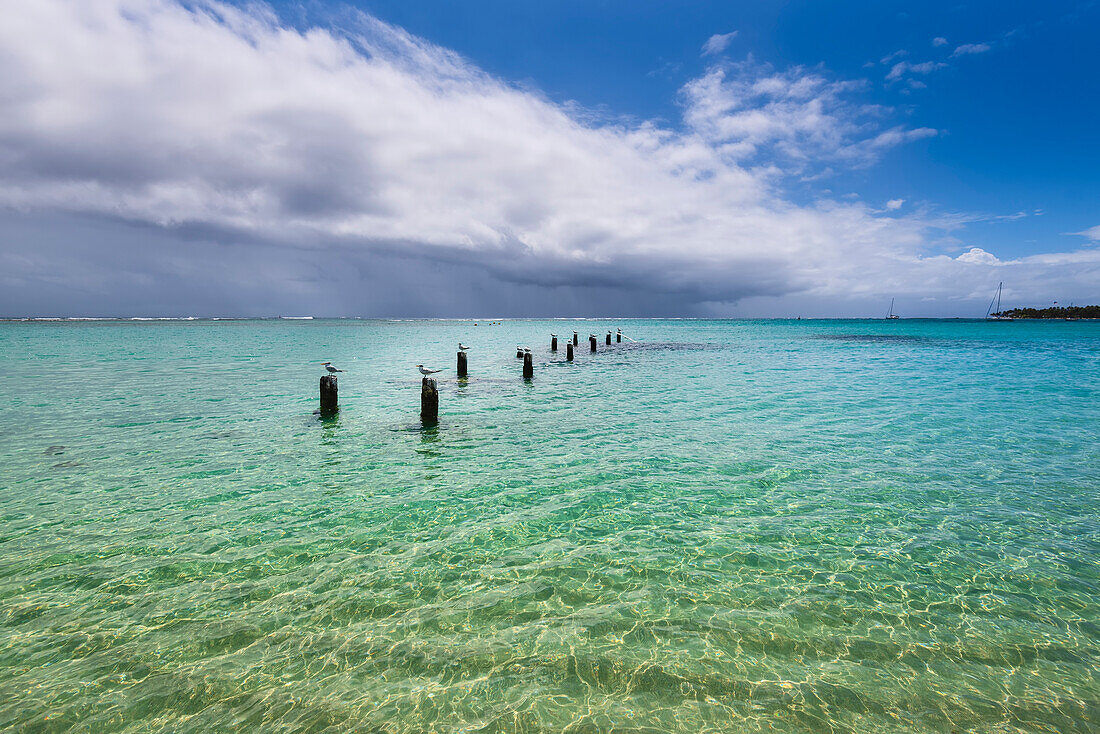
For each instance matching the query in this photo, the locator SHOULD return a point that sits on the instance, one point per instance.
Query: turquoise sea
(737, 526)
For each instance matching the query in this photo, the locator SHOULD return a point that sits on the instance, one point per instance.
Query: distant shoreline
(1014, 314)
(1063, 313)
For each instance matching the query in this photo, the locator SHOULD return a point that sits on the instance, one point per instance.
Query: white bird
(527, 349)
(426, 371)
(462, 348)
(328, 366)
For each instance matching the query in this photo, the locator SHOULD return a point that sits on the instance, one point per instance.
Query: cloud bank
(217, 131)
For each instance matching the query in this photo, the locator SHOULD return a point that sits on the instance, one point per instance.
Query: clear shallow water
(736, 526)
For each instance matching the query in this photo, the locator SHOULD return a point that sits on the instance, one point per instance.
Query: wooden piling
(330, 402)
(528, 366)
(574, 338)
(618, 336)
(553, 344)
(569, 351)
(519, 354)
(429, 400)
(461, 364)
(608, 340)
(592, 342)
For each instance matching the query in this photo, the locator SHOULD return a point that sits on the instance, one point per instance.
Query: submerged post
(574, 338)
(608, 340)
(553, 342)
(461, 364)
(592, 342)
(568, 351)
(528, 366)
(618, 336)
(429, 400)
(330, 402)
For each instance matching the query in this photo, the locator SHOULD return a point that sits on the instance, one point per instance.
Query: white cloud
(978, 256)
(718, 43)
(797, 118)
(894, 204)
(902, 68)
(212, 119)
(939, 41)
(896, 55)
(971, 48)
(1093, 233)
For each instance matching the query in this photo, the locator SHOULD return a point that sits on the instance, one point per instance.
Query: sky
(436, 159)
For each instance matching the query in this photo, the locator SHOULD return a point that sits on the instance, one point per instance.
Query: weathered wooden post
(618, 335)
(574, 338)
(330, 402)
(528, 366)
(569, 351)
(519, 353)
(461, 364)
(608, 340)
(429, 400)
(592, 342)
(553, 342)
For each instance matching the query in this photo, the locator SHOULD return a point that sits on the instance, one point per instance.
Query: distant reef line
(1052, 312)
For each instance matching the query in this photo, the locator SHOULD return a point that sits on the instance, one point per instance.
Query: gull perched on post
(425, 371)
(328, 366)
(461, 347)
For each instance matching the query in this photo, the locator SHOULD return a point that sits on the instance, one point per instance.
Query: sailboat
(994, 315)
(890, 314)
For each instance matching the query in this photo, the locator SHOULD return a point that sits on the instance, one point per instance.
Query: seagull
(462, 348)
(330, 368)
(425, 371)
(527, 349)
(553, 335)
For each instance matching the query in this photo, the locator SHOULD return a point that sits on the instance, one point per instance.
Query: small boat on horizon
(890, 314)
(995, 315)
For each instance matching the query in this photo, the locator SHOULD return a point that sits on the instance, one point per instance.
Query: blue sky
(1020, 121)
(567, 158)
